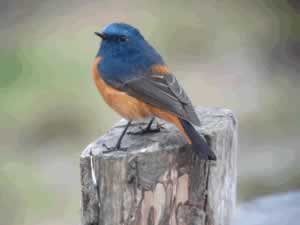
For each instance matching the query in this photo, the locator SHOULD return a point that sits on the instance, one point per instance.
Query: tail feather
(198, 144)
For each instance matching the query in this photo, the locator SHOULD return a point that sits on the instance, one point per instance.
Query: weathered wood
(159, 181)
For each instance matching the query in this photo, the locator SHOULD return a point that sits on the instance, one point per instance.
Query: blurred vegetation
(242, 55)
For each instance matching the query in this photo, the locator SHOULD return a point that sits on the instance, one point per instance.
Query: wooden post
(159, 181)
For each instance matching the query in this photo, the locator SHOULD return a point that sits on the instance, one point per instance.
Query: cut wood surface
(159, 180)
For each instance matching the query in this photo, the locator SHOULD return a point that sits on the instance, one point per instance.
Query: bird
(135, 81)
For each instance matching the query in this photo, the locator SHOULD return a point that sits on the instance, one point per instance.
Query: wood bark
(159, 180)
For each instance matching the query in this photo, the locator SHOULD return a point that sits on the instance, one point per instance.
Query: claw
(113, 149)
(147, 130)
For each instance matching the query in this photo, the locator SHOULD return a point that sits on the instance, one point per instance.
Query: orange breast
(130, 107)
(127, 106)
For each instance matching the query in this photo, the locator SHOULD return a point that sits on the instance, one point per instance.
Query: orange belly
(127, 106)
(130, 107)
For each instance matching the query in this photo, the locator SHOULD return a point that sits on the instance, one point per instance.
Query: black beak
(101, 35)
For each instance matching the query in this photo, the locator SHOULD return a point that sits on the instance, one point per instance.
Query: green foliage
(10, 68)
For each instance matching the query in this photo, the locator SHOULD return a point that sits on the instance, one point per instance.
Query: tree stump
(159, 180)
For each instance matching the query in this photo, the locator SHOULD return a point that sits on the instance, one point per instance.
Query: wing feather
(164, 92)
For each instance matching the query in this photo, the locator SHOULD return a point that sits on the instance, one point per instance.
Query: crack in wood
(161, 181)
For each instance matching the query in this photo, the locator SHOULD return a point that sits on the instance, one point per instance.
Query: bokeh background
(242, 55)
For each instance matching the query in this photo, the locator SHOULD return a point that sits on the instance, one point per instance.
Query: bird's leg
(148, 129)
(118, 145)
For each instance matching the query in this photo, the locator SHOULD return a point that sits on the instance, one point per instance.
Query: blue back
(125, 60)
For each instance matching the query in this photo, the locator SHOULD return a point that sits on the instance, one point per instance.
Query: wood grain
(159, 180)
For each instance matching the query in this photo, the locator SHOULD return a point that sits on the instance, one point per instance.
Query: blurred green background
(238, 54)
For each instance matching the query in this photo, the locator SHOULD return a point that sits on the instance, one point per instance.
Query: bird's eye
(123, 38)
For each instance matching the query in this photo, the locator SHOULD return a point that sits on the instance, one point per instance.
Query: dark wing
(164, 92)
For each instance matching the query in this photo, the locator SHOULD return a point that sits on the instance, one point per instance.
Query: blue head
(125, 51)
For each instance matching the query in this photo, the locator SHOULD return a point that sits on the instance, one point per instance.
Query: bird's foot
(147, 130)
(114, 149)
